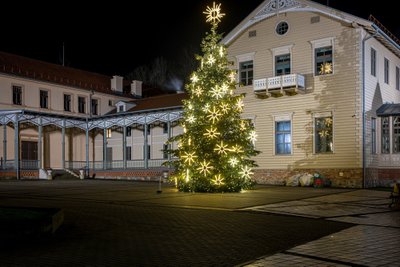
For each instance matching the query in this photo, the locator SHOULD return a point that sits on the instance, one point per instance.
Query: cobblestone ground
(116, 223)
(374, 241)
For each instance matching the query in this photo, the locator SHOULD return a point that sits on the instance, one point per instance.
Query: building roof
(48, 72)
(388, 110)
(270, 8)
(154, 103)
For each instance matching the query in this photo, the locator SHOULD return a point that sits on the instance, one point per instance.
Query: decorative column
(104, 148)
(63, 144)
(146, 148)
(40, 134)
(16, 145)
(169, 136)
(87, 147)
(5, 146)
(124, 146)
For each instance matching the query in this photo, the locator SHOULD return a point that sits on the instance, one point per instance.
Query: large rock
(306, 179)
(293, 180)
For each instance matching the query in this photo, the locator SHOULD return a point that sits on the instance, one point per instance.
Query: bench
(395, 196)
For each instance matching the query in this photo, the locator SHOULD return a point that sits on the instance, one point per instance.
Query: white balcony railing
(279, 82)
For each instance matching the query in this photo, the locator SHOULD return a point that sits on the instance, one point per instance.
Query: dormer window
(124, 106)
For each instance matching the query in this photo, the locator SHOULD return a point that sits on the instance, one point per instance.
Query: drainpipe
(363, 108)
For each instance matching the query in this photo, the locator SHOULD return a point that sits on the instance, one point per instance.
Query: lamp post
(164, 175)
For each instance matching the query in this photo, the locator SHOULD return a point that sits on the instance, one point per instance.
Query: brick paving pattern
(125, 223)
(373, 242)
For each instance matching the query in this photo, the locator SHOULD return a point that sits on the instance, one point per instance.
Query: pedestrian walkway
(373, 241)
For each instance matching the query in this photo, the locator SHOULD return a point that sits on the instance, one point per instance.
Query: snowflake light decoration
(214, 14)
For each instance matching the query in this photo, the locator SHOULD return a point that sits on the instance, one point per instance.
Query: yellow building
(315, 79)
(322, 89)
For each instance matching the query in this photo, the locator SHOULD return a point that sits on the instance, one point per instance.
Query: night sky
(112, 38)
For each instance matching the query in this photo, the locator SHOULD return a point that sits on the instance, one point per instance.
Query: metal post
(63, 145)
(87, 147)
(5, 146)
(146, 148)
(16, 148)
(169, 136)
(104, 148)
(40, 131)
(124, 146)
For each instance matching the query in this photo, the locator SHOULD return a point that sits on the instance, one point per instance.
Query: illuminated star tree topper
(214, 151)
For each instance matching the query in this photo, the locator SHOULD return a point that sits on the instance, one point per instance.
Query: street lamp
(165, 174)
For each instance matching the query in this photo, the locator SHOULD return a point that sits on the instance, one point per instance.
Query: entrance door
(109, 158)
(29, 155)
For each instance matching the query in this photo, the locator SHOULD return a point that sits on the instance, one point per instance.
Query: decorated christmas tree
(216, 145)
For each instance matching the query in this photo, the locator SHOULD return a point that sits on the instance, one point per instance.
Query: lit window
(109, 133)
(323, 60)
(323, 134)
(283, 137)
(385, 135)
(246, 72)
(44, 99)
(282, 65)
(396, 134)
(17, 95)
(282, 28)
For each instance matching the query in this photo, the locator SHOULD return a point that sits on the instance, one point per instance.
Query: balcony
(279, 85)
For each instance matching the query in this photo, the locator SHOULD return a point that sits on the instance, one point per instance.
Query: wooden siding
(338, 93)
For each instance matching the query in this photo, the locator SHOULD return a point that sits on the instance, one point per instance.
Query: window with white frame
(323, 56)
(81, 104)
(246, 72)
(128, 151)
(245, 68)
(282, 64)
(396, 134)
(397, 78)
(386, 71)
(148, 152)
(282, 60)
(165, 153)
(385, 135)
(373, 62)
(128, 131)
(165, 128)
(373, 135)
(44, 99)
(17, 94)
(323, 134)
(67, 102)
(95, 106)
(323, 60)
(283, 137)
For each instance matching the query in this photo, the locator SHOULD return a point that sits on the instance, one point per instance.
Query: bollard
(49, 175)
(82, 174)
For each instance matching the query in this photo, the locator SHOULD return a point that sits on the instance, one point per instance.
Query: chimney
(136, 88)
(116, 83)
